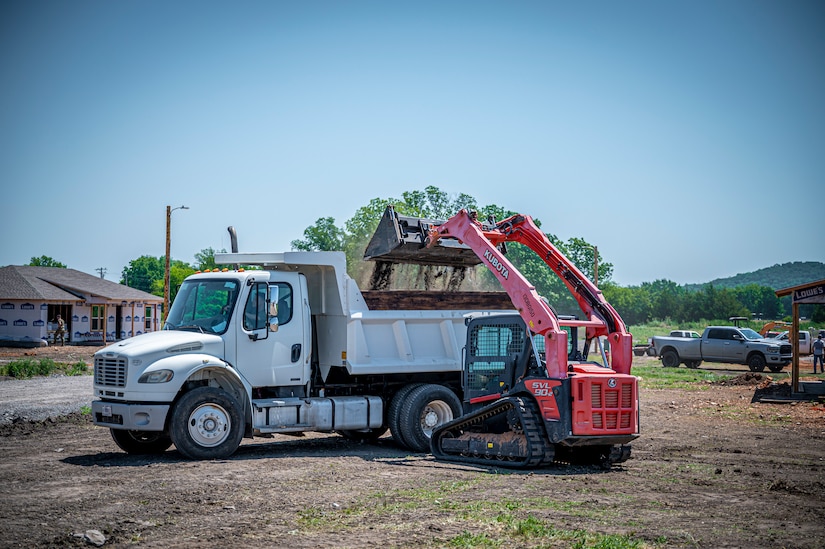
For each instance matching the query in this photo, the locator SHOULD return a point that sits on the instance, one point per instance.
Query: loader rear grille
(110, 372)
(605, 405)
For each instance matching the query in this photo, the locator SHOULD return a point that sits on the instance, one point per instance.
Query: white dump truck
(291, 347)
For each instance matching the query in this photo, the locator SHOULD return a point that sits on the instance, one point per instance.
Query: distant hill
(776, 277)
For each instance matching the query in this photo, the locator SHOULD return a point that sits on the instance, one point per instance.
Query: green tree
(666, 299)
(583, 255)
(142, 273)
(633, 303)
(323, 236)
(818, 313)
(178, 271)
(760, 300)
(46, 261)
(205, 259)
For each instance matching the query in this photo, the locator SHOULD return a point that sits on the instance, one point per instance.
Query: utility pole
(169, 211)
(596, 266)
(101, 271)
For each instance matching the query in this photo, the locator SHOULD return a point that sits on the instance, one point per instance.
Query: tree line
(650, 301)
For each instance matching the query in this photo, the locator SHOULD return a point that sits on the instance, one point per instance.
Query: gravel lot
(40, 398)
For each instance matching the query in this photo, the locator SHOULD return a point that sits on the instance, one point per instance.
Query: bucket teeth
(402, 239)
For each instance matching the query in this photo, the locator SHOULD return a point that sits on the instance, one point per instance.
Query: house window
(148, 319)
(98, 318)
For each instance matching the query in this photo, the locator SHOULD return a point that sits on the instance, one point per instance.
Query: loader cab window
(494, 349)
(573, 352)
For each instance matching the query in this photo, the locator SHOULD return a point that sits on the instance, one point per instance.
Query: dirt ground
(711, 469)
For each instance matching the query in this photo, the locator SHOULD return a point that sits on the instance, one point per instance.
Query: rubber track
(539, 450)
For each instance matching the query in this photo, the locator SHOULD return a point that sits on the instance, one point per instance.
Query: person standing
(819, 354)
(61, 332)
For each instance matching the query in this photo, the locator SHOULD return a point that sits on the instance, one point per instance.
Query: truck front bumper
(132, 417)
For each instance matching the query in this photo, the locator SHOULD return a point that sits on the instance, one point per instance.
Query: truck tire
(670, 359)
(693, 364)
(394, 413)
(206, 423)
(776, 368)
(141, 443)
(424, 409)
(756, 362)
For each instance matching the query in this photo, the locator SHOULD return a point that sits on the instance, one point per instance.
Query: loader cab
(496, 348)
(499, 355)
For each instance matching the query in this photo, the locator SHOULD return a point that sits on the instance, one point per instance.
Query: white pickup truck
(805, 341)
(726, 344)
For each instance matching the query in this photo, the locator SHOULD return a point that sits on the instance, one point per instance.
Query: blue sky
(685, 139)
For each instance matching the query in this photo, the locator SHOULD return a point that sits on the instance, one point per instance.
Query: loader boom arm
(603, 320)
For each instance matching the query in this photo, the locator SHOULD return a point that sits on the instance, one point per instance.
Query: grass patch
(79, 368)
(536, 530)
(657, 377)
(485, 523)
(28, 367)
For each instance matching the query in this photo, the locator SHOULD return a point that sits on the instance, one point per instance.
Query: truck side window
(716, 334)
(254, 315)
(284, 302)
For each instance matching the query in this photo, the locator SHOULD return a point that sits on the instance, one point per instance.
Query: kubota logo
(497, 265)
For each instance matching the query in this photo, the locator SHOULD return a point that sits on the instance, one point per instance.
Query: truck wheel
(693, 364)
(776, 368)
(670, 359)
(206, 423)
(141, 443)
(424, 409)
(394, 413)
(756, 363)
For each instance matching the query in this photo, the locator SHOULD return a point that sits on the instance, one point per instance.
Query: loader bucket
(400, 239)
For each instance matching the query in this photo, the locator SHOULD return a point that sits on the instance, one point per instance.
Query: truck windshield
(203, 305)
(750, 334)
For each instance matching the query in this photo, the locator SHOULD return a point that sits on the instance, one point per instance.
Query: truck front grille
(110, 372)
(785, 349)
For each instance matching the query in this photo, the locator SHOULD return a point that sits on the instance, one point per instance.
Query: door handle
(296, 352)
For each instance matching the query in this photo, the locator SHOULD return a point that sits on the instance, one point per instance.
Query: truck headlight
(157, 376)
(773, 350)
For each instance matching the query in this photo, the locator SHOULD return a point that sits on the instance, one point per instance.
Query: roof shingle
(56, 284)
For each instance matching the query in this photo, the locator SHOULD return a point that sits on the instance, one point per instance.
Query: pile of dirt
(772, 390)
(748, 378)
(20, 426)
